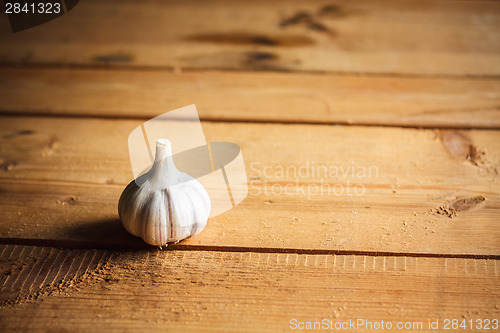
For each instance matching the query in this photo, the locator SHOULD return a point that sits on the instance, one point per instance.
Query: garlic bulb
(164, 205)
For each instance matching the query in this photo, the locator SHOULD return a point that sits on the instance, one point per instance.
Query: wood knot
(467, 203)
(72, 200)
(459, 145)
(248, 38)
(18, 133)
(459, 205)
(111, 58)
(332, 11)
(311, 22)
(260, 56)
(456, 143)
(7, 165)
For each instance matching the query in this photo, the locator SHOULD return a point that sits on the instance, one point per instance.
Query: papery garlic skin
(164, 205)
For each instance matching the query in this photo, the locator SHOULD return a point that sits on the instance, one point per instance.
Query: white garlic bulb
(164, 205)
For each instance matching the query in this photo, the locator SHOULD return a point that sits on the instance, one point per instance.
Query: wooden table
(407, 90)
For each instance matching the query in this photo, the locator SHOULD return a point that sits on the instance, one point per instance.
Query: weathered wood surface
(30, 272)
(172, 291)
(246, 96)
(421, 241)
(61, 179)
(392, 37)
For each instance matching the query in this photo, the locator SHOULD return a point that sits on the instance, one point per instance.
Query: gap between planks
(250, 121)
(82, 245)
(188, 70)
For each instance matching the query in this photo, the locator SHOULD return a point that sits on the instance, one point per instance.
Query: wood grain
(172, 291)
(246, 96)
(421, 191)
(390, 37)
(382, 222)
(30, 272)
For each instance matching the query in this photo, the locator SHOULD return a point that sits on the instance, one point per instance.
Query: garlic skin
(164, 205)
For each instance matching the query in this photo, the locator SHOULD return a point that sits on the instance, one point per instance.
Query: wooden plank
(61, 179)
(29, 272)
(172, 291)
(254, 96)
(394, 37)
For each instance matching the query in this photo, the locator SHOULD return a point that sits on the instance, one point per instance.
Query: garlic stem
(163, 173)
